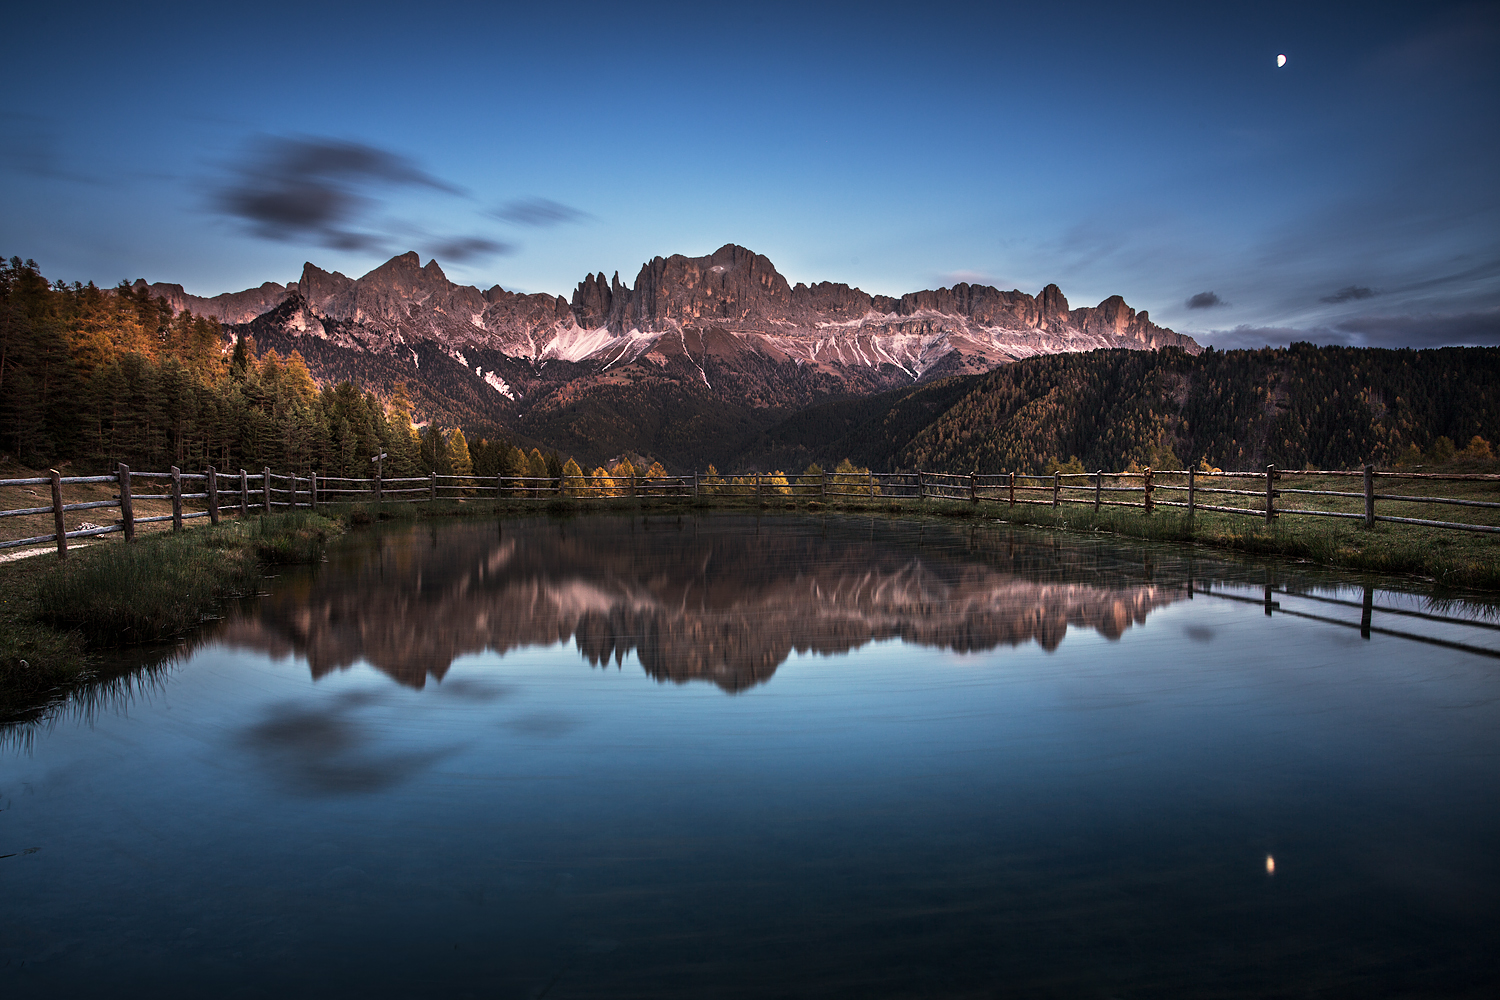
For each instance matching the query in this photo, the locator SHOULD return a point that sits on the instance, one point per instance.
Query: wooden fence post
(244, 493)
(434, 486)
(1056, 486)
(1270, 494)
(315, 490)
(176, 499)
(499, 487)
(1192, 487)
(1148, 488)
(57, 513)
(1369, 496)
(757, 486)
(873, 491)
(265, 482)
(1012, 489)
(127, 506)
(1098, 490)
(823, 486)
(213, 496)
(973, 488)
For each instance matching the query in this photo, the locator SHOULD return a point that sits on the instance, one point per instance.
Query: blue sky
(1153, 151)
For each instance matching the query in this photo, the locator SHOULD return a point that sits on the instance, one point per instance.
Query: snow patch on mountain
(496, 382)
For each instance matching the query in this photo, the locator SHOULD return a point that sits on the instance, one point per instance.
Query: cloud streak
(465, 248)
(327, 191)
(538, 212)
(1205, 300)
(1349, 293)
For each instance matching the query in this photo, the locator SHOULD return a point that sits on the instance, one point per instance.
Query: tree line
(94, 377)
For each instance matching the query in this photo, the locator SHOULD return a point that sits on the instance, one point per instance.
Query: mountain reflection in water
(710, 598)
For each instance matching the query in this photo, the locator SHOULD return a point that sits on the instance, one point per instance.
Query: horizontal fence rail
(1228, 492)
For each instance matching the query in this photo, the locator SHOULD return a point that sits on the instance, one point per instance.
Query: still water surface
(779, 756)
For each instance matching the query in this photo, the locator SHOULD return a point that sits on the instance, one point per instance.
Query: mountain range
(697, 352)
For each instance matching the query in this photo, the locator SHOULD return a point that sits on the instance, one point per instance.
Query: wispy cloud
(539, 212)
(29, 146)
(1205, 300)
(328, 191)
(1349, 293)
(464, 248)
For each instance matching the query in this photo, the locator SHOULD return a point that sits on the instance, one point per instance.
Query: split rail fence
(1253, 494)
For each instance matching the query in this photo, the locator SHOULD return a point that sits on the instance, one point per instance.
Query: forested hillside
(1331, 407)
(94, 377)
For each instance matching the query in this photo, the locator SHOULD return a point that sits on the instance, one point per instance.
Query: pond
(730, 755)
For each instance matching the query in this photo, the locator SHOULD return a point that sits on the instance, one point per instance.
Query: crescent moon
(1280, 61)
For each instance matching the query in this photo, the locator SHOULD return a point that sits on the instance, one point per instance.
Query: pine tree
(536, 470)
(516, 466)
(459, 460)
(601, 484)
(574, 483)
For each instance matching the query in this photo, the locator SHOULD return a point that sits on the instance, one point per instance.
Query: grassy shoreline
(56, 616)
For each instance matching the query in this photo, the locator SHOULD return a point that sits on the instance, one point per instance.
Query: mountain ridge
(695, 348)
(733, 289)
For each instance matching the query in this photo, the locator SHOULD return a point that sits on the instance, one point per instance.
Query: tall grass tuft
(160, 587)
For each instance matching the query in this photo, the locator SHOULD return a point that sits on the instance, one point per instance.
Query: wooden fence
(1253, 494)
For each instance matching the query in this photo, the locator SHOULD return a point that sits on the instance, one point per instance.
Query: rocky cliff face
(731, 301)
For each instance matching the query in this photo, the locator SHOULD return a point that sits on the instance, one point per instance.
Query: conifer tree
(536, 470)
(574, 483)
(459, 459)
(600, 483)
(517, 466)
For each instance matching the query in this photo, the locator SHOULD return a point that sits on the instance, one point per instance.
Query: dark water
(730, 756)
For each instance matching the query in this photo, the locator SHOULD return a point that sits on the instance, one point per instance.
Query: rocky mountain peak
(1052, 305)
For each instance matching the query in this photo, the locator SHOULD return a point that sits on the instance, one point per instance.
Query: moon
(1280, 61)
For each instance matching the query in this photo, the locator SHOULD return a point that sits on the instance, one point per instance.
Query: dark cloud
(474, 690)
(324, 190)
(1471, 329)
(462, 248)
(538, 212)
(549, 725)
(1205, 300)
(1349, 293)
(328, 750)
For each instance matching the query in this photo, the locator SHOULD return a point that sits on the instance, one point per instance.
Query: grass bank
(55, 615)
(1452, 558)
